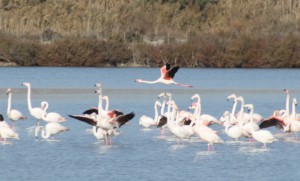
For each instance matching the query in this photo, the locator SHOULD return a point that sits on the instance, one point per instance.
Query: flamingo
(147, 121)
(233, 119)
(294, 104)
(204, 118)
(51, 129)
(166, 77)
(162, 121)
(234, 131)
(13, 114)
(208, 135)
(262, 136)
(245, 117)
(6, 131)
(105, 123)
(173, 125)
(51, 116)
(36, 112)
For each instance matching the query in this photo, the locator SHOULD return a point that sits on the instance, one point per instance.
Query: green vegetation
(189, 33)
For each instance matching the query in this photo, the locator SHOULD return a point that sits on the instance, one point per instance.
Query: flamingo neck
(29, 98)
(107, 104)
(147, 81)
(9, 104)
(162, 109)
(233, 108)
(44, 114)
(287, 104)
(293, 114)
(43, 133)
(156, 113)
(251, 120)
(100, 109)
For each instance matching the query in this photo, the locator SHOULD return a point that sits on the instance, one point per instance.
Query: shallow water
(139, 154)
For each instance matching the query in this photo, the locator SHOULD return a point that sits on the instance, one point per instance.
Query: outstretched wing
(122, 119)
(162, 121)
(271, 122)
(171, 73)
(85, 119)
(91, 111)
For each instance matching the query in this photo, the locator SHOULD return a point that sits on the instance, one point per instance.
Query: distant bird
(166, 77)
(36, 112)
(13, 114)
(6, 131)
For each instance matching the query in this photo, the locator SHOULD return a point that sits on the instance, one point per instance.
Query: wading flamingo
(6, 131)
(36, 112)
(262, 136)
(13, 114)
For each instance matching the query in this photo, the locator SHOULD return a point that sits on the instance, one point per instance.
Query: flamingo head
(286, 91)
(193, 105)
(138, 80)
(8, 91)
(195, 96)
(43, 105)
(231, 96)
(157, 103)
(26, 84)
(249, 107)
(164, 94)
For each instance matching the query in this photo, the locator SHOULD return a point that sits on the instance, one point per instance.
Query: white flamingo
(262, 136)
(208, 135)
(233, 120)
(35, 112)
(50, 129)
(204, 118)
(233, 131)
(6, 131)
(13, 114)
(147, 121)
(51, 116)
(166, 77)
(173, 123)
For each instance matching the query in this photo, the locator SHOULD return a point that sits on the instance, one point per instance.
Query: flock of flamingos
(167, 117)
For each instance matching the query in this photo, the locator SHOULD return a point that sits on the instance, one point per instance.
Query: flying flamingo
(36, 112)
(51, 129)
(51, 116)
(166, 77)
(6, 131)
(13, 114)
(262, 136)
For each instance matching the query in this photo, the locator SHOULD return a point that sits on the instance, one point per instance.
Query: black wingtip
(162, 121)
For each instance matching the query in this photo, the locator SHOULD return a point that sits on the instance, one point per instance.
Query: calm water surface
(137, 154)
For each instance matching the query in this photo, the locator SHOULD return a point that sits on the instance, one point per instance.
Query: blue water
(137, 154)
